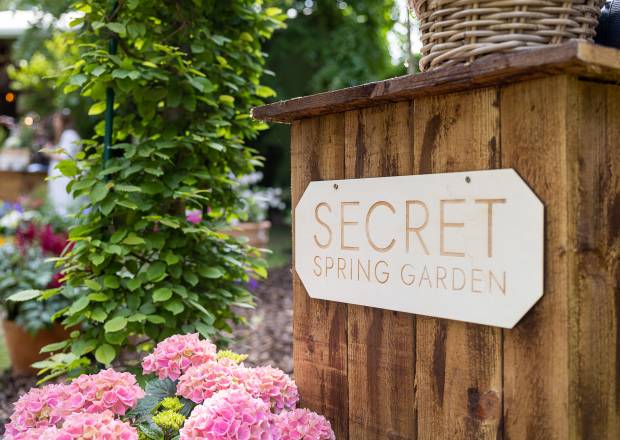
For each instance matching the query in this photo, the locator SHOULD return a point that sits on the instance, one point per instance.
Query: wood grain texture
(578, 58)
(533, 130)
(593, 130)
(459, 365)
(381, 343)
(319, 327)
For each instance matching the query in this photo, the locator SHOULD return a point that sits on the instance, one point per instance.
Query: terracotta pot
(24, 348)
(257, 233)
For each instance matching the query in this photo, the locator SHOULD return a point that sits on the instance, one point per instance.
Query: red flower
(55, 283)
(25, 236)
(50, 242)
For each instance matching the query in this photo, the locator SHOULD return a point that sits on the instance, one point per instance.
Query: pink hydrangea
(42, 433)
(174, 355)
(200, 382)
(101, 426)
(107, 390)
(274, 387)
(229, 415)
(302, 424)
(194, 216)
(42, 407)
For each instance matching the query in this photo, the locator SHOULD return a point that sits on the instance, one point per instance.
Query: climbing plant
(185, 76)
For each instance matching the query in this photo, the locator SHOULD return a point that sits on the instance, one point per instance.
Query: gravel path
(267, 339)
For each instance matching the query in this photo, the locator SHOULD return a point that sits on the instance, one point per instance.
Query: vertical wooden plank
(381, 348)
(612, 260)
(319, 327)
(594, 226)
(533, 125)
(458, 370)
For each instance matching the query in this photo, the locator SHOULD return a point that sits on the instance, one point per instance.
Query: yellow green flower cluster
(235, 357)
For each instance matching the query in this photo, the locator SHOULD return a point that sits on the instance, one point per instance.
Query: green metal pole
(109, 106)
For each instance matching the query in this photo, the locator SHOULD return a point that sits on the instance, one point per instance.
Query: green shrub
(185, 77)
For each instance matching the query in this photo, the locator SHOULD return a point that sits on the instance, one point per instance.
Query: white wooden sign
(464, 246)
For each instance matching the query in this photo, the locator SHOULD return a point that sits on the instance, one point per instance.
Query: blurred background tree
(327, 45)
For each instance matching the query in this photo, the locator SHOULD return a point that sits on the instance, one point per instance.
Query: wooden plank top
(575, 58)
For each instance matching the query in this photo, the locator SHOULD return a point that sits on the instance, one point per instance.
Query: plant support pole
(109, 107)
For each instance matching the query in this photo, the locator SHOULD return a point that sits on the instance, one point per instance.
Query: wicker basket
(460, 31)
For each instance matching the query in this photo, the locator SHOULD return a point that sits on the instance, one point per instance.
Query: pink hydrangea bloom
(102, 426)
(229, 415)
(194, 216)
(274, 387)
(174, 355)
(302, 424)
(42, 433)
(42, 407)
(200, 382)
(107, 390)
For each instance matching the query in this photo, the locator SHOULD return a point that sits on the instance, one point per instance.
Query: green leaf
(155, 319)
(156, 270)
(191, 278)
(105, 354)
(98, 297)
(97, 259)
(98, 315)
(92, 284)
(211, 272)
(111, 282)
(68, 168)
(99, 192)
(115, 324)
(265, 92)
(97, 108)
(127, 188)
(172, 258)
(134, 283)
(137, 317)
(162, 294)
(56, 346)
(78, 305)
(227, 99)
(118, 236)
(175, 307)
(118, 28)
(133, 239)
(24, 295)
(273, 11)
(82, 347)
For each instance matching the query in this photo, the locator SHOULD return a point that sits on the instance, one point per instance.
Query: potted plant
(257, 203)
(28, 244)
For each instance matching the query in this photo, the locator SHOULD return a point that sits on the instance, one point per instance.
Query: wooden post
(552, 114)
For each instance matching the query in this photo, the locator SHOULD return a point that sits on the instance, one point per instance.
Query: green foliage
(160, 413)
(331, 45)
(22, 274)
(335, 44)
(185, 76)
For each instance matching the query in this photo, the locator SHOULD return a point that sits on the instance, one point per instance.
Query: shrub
(185, 77)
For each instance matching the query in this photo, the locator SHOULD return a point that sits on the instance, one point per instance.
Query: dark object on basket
(608, 30)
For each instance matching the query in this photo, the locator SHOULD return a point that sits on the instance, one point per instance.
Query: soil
(267, 339)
